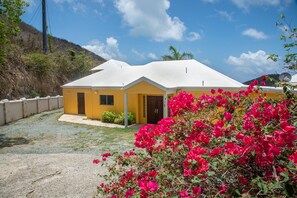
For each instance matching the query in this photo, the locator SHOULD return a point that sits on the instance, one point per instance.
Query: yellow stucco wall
(136, 96)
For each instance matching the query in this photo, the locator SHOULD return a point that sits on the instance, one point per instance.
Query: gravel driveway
(42, 157)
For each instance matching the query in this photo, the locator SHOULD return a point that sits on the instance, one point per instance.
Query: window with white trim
(106, 100)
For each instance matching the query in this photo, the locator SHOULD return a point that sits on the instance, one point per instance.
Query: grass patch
(102, 138)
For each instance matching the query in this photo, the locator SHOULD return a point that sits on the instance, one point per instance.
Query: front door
(154, 109)
(81, 103)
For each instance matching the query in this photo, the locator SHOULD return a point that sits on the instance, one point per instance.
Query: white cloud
(76, 5)
(210, 1)
(150, 19)
(193, 36)
(251, 32)
(246, 4)
(225, 15)
(108, 50)
(206, 62)
(254, 64)
(144, 56)
(101, 2)
(152, 56)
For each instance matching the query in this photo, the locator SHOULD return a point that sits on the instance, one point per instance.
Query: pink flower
(96, 161)
(228, 116)
(152, 186)
(183, 193)
(213, 91)
(197, 190)
(130, 193)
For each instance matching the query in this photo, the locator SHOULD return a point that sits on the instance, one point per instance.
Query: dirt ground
(42, 157)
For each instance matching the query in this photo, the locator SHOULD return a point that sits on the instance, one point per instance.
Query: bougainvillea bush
(224, 144)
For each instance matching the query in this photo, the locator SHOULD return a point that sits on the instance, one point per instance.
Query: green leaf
(211, 173)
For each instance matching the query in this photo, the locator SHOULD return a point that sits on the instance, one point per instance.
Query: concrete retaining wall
(2, 118)
(12, 110)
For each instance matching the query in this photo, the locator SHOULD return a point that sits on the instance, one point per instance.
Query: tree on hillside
(176, 55)
(10, 12)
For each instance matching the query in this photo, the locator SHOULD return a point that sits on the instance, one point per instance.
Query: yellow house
(143, 90)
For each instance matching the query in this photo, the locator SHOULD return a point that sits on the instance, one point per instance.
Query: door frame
(81, 105)
(154, 109)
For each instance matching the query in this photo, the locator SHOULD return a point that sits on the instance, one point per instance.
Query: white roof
(163, 74)
(110, 64)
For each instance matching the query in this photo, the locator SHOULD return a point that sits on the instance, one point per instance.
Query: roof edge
(144, 79)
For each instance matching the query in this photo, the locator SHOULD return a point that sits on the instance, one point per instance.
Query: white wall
(16, 109)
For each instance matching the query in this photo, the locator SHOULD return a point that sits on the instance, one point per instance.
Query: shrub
(220, 145)
(108, 116)
(120, 119)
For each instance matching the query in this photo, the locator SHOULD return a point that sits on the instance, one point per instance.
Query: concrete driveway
(42, 157)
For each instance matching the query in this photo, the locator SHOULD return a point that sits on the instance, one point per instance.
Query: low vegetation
(111, 117)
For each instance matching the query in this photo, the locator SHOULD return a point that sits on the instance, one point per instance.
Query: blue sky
(232, 36)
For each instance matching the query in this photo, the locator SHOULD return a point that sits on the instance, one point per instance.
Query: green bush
(121, 119)
(39, 63)
(108, 117)
(111, 117)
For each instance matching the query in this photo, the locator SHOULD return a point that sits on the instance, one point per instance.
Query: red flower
(184, 193)
(243, 180)
(130, 193)
(197, 190)
(215, 151)
(129, 153)
(153, 174)
(146, 185)
(152, 186)
(96, 161)
(223, 189)
(213, 91)
(106, 155)
(107, 189)
(293, 158)
(228, 116)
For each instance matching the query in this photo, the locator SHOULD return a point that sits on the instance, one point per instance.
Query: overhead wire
(35, 12)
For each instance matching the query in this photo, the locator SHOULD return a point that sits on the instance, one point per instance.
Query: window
(106, 99)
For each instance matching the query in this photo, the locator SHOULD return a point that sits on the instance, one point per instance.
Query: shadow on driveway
(9, 142)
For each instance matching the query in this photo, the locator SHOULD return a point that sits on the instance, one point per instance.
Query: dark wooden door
(154, 109)
(81, 103)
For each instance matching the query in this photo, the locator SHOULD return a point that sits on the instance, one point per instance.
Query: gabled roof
(167, 74)
(110, 64)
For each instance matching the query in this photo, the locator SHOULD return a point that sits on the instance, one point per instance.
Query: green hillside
(26, 72)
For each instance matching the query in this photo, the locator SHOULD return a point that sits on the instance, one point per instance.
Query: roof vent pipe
(202, 82)
(186, 70)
